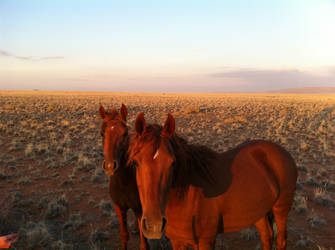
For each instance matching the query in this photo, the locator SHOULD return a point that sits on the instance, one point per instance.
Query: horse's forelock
(152, 133)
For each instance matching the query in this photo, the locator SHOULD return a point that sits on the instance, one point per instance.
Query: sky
(167, 46)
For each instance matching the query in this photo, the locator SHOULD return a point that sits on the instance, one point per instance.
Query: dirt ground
(54, 192)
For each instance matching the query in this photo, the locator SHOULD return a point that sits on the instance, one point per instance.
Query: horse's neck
(124, 157)
(125, 172)
(215, 179)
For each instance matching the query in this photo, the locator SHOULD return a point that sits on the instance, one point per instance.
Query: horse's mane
(190, 159)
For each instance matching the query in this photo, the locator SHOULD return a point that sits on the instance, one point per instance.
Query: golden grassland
(51, 155)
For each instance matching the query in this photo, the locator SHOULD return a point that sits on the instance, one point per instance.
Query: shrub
(74, 223)
(300, 203)
(35, 235)
(56, 207)
(322, 197)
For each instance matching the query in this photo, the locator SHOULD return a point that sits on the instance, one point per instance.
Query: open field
(54, 192)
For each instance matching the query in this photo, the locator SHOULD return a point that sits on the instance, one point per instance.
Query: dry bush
(56, 207)
(35, 235)
(60, 245)
(300, 203)
(24, 180)
(74, 222)
(6, 222)
(249, 233)
(322, 197)
(106, 207)
(316, 221)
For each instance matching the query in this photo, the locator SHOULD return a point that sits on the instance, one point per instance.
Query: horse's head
(152, 151)
(115, 140)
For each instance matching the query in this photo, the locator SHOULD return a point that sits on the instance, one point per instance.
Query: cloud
(265, 80)
(29, 58)
(4, 53)
(51, 58)
(197, 49)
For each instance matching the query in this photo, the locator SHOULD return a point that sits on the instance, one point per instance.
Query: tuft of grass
(29, 149)
(65, 123)
(7, 202)
(84, 162)
(43, 202)
(323, 198)
(304, 146)
(42, 148)
(249, 234)
(35, 235)
(16, 145)
(106, 207)
(304, 242)
(60, 245)
(315, 221)
(311, 181)
(24, 180)
(66, 183)
(56, 207)
(97, 175)
(300, 203)
(98, 235)
(74, 223)
(3, 174)
(328, 184)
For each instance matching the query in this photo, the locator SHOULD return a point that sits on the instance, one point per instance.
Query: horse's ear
(169, 126)
(140, 124)
(102, 112)
(124, 112)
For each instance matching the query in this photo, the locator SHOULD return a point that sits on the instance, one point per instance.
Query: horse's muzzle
(153, 229)
(110, 168)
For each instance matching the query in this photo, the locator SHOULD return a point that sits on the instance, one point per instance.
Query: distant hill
(306, 90)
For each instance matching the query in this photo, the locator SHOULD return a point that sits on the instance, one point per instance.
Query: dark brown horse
(196, 193)
(122, 180)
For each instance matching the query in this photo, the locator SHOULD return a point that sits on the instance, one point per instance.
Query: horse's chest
(124, 194)
(192, 217)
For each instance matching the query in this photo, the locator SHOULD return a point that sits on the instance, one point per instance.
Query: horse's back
(276, 159)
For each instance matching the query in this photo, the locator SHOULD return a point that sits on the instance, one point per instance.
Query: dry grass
(51, 146)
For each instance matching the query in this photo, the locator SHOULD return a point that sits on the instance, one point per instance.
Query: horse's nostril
(163, 224)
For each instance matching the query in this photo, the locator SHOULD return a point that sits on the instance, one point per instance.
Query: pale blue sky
(167, 45)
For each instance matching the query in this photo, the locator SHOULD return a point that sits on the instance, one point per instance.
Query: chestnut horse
(194, 193)
(122, 180)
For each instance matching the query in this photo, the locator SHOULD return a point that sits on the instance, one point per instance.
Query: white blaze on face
(156, 154)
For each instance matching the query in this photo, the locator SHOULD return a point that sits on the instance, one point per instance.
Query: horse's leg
(136, 227)
(143, 241)
(122, 215)
(281, 220)
(177, 245)
(281, 210)
(266, 232)
(206, 244)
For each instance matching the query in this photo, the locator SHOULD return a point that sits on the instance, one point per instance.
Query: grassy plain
(54, 192)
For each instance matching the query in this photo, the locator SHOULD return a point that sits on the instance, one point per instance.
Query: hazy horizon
(175, 46)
